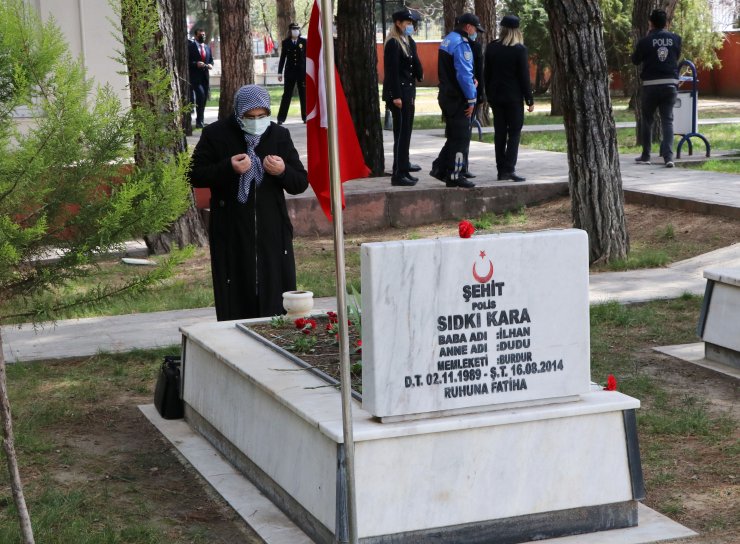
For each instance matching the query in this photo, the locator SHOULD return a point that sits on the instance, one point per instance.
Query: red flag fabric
(351, 162)
(269, 44)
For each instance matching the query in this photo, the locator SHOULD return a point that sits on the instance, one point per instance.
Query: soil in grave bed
(315, 341)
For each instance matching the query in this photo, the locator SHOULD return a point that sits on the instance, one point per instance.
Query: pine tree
(67, 184)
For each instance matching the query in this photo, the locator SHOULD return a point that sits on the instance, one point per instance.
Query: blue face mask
(472, 36)
(256, 127)
(409, 30)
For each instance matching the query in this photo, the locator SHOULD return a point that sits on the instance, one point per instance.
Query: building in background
(90, 28)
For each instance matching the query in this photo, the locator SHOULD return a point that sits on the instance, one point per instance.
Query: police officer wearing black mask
(658, 52)
(293, 59)
(402, 69)
(457, 98)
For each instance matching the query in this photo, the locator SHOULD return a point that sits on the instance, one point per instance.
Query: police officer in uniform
(402, 69)
(658, 52)
(477, 48)
(457, 98)
(293, 59)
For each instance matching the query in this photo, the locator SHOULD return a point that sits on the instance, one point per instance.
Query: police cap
(406, 15)
(510, 21)
(294, 26)
(470, 19)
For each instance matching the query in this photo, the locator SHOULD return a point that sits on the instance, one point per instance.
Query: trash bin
(685, 111)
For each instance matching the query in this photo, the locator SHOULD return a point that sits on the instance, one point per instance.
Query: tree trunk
(556, 98)
(452, 9)
(356, 62)
(187, 230)
(486, 12)
(595, 180)
(641, 11)
(11, 458)
(237, 61)
(285, 15)
(180, 48)
(161, 51)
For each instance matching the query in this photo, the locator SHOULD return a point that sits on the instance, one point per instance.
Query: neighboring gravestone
(719, 322)
(458, 325)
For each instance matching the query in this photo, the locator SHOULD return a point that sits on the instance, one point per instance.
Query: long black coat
(251, 244)
(506, 74)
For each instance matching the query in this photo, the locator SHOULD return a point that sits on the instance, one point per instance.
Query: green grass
(727, 166)
(618, 334)
(641, 257)
(428, 115)
(190, 287)
(489, 220)
(84, 482)
(721, 137)
(316, 269)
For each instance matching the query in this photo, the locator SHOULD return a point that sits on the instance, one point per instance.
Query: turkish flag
(351, 162)
(269, 44)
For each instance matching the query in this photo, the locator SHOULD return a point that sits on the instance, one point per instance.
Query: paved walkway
(539, 166)
(709, 191)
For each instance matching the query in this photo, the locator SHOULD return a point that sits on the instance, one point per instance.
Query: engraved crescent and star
(489, 275)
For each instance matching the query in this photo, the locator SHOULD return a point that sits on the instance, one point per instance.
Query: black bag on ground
(167, 392)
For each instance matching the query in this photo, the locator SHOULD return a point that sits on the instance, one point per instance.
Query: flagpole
(327, 38)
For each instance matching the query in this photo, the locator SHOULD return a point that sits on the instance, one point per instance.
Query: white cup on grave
(297, 303)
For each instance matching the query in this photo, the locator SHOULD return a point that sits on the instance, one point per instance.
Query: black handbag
(167, 391)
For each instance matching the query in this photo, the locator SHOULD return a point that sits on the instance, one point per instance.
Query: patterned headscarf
(248, 98)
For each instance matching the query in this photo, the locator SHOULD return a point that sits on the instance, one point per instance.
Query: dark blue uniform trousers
(451, 157)
(403, 122)
(662, 98)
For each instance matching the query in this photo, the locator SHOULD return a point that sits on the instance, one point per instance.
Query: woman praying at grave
(248, 162)
(506, 76)
(402, 70)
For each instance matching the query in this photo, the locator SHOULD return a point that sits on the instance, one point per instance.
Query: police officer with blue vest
(659, 53)
(457, 98)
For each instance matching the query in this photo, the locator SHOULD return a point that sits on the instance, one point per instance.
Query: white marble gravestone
(449, 326)
(455, 325)
(719, 324)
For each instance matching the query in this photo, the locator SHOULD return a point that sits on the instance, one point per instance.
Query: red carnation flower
(312, 323)
(300, 323)
(466, 229)
(332, 317)
(306, 330)
(611, 383)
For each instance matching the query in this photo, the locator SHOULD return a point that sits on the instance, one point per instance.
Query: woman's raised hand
(274, 165)
(241, 163)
